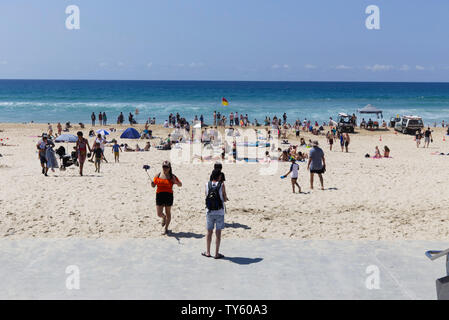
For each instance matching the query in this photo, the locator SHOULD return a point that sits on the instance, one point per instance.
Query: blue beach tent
(130, 133)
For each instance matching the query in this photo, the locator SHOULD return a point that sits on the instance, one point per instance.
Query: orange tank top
(163, 185)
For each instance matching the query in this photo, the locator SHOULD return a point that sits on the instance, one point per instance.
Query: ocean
(45, 101)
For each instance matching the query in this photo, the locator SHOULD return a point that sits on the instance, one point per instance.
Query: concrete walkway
(173, 268)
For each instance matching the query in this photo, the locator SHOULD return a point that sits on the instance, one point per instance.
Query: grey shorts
(215, 220)
(427, 139)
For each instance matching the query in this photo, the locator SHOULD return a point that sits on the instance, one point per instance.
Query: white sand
(405, 197)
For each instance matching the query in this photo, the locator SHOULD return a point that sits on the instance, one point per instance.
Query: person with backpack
(215, 199)
(218, 166)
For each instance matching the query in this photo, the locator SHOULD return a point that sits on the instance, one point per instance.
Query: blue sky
(319, 40)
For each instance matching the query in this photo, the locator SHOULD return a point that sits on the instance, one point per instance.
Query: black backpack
(213, 200)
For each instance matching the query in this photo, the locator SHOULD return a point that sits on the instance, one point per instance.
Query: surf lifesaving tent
(66, 138)
(130, 133)
(371, 109)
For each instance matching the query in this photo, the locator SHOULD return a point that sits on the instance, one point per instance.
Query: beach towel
(52, 163)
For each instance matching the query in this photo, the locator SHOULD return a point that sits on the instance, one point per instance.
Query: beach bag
(213, 200)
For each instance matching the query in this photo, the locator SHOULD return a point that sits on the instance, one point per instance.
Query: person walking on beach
(81, 149)
(50, 155)
(41, 147)
(215, 192)
(418, 137)
(330, 139)
(116, 151)
(92, 117)
(98, 157)
(294, 168)
(427, 137)
(100, 118)
(59, 127)
(342, 141)
(105, 119)
(164, 193)
(347, 140)
(316, 164)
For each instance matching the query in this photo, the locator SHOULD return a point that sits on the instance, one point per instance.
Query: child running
(294, 171)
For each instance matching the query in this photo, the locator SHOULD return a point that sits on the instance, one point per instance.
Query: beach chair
(442, 284)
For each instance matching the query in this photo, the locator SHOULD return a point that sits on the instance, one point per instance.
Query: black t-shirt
(427, 133)
(98, 152)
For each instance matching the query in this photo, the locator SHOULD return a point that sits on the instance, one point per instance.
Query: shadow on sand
(237, 225)
(242, 260)
(185, 235)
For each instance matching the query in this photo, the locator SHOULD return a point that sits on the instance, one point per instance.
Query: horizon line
(186, 80)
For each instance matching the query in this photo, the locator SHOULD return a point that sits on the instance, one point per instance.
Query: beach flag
(444, 138)
(224, 102)
(380, 138)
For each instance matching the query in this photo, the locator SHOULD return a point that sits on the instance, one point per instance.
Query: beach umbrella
(103, 132)
(130, 133)
(66, 138)
(197, 126)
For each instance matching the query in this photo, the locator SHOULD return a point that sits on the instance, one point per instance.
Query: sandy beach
(404, 197)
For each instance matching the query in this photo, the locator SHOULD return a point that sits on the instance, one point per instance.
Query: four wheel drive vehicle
(409, 124)
(393, 121)
(345, 123)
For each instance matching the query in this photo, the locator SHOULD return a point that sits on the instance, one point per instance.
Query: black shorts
(43, 159)
(346, 144)
(164, 199)
(320, 171)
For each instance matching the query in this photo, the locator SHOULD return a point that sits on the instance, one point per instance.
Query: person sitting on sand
(302, 156)
(386, 152)
(147, 146)
(302, 142)
(377, 154)
(138, 148)
(128, 149)
(363, 123)
(283, 156)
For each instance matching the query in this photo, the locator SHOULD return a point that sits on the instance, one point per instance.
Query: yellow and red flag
(224, 102)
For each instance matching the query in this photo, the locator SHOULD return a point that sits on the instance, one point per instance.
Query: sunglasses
(166, 167)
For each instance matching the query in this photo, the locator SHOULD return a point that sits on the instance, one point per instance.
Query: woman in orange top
(164, 193)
